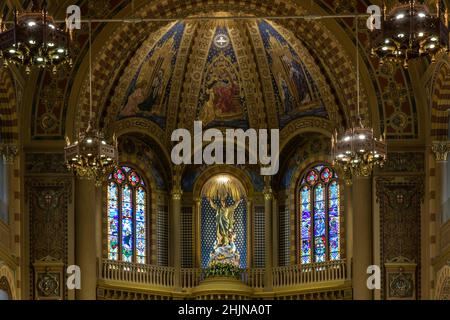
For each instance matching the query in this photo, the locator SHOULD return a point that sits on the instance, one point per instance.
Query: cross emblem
(221, 41)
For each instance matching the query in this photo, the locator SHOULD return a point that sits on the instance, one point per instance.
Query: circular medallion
(221, 41)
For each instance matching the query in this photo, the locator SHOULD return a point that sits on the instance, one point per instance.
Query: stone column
(348, 216)
(85, 237)
(441, 150)
(175, 234)
(275, 231)
(362, 236)
(268, 198)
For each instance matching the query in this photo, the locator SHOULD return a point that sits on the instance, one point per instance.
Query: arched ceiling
(335, 78)
(209, 71)
(325, 47)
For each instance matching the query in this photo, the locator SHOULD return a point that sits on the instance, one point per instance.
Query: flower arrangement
(227, 270)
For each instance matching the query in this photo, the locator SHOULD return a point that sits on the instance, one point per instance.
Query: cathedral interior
(94, 207)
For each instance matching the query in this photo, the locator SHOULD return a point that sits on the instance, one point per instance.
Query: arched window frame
(122, 179)
(301, 205)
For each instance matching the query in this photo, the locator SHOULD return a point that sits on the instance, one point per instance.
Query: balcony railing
(254, 278)
(138, 273)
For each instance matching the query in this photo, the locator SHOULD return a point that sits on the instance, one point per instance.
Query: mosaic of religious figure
(223, 94)
(295, 90)
(148, 92)
(292, 83)
(148, 97)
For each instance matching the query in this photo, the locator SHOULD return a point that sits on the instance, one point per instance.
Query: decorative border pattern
(440, 104)
(9, 130)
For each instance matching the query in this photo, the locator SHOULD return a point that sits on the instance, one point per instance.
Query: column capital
(8, 151)
(268, 193)
(441, 150)
(176, 193)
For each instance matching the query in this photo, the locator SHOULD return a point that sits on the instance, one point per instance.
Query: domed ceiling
(224, 73)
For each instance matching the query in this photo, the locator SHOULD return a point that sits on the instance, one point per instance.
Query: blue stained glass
(127, 240)
(319, 168)
(306, 251)
(334, 223)
(334, 226)
(319, 227)
(140, 248)
(319, 193)
(140, 196)
(306, 229)
(306, 225)
(306, 214)
(140, 225)
(320, 249)
(127, 225)
(128, 220)
(113, 221)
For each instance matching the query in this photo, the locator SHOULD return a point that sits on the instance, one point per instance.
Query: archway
(224, 221)
(7, 287)
(443, 284)
(440, 103)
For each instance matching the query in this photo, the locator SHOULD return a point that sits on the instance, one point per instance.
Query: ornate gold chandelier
(34, 40)
(91, 156)
(410, 30)
(358, 151)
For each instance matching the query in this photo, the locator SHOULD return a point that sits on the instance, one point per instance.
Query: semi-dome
(225, 73)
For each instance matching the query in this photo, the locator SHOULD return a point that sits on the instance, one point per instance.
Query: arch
(224, 223)
(440, 102)
(302, 126)
(7, 282)
(330, 49)
(9, 131)
(443, 284)
(292, 201)
(318, 215)
(127, 212)
(222, 169)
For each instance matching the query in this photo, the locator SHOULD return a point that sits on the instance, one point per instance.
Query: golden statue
(224, 221)
(220, 189)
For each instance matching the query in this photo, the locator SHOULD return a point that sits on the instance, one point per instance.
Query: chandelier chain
(90, 71)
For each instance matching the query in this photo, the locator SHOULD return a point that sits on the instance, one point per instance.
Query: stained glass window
(126, 216)
(319, 216)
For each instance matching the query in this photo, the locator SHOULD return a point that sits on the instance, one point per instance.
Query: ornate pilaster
(441, 150)
(8, 152)
(85, 237)
(362, 236)
(268, 199)
(175, 216)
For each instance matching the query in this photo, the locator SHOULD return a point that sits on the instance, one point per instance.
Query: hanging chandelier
(358, 151)
(34, 40)
(410, 30)
(91, 156)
